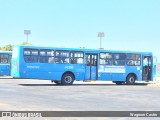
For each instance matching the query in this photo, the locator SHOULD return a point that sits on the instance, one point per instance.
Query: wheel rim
(68, 79)
(131, 79)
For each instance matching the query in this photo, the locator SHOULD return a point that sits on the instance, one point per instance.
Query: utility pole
(100, 35)
(27, 32)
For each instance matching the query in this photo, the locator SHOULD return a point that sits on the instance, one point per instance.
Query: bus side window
(72, 61)
(102, 61)
(66, 60)
(61, 61)
(50, 60)
(27, 58)
(76, 57)
(115, 62)
(108, 62)
(121, 62)
(56, 60)
(34, 59)
(3, 60)
(130, 62)
(75, 60)
(137, 63)
(79, 60)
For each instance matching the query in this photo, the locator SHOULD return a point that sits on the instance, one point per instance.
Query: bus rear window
(4, 58)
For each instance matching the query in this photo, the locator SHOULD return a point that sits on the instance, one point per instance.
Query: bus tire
(57, 82)
(67, 79)
(130, 79)
(119, 83)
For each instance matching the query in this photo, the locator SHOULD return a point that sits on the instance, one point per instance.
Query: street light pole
(27, 32)
(100, 35)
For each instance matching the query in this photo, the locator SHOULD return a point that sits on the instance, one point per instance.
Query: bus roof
(10, 52)
(84, 49)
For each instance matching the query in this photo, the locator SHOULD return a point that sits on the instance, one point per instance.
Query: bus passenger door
(147, 68)
(91, 66)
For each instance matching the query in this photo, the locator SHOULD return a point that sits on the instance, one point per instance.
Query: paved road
(33, 95)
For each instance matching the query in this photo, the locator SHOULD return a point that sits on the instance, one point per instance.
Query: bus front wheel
(130, 79)
(119, 83)
(67, 79)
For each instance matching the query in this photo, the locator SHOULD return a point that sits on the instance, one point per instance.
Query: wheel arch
(70, 72)
(135, 76)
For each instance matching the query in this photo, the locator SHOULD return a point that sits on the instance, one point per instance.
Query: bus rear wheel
(119, 83)
(130, 79)
(67, 79)
(57, 82)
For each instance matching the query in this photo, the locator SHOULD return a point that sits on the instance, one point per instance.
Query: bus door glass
(147, 68)
(91, 66)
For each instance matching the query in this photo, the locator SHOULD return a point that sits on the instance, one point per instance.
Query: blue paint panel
(93, 72)
(4, 70)
(105, 76)
(87, 73)
(102, 74)
(118, 77)
(51, 71)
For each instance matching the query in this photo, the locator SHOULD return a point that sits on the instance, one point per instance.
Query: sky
(127, 24)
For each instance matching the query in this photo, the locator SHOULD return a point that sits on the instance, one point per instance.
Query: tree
(26, 44)
(8, 47)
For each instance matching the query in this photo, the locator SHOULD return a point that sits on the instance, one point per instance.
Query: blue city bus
(5, 61)
(64, 65)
